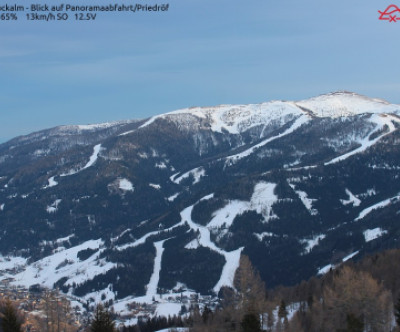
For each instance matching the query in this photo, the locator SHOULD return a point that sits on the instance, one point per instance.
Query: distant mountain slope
(133, 209)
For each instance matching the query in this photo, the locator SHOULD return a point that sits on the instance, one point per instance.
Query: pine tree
(102, 321)
(10, 320)
(250, 323)
(282, 313)
(397, 311)
(354, 324)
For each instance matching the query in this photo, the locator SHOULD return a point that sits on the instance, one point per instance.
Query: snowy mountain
(132, 210)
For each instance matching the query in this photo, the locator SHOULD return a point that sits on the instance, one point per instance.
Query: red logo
(390, 14)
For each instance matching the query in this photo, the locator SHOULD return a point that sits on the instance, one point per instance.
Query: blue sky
(199, 53)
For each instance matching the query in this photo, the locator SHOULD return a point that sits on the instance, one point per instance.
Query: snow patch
(339, 104)
(352, 199)
(2, 207)
(193, 244)
(345, 259)
(365, 142)
(231, 258)
(11, 263)
(93, 158)
(263, 198)
(161, 165)
(307, 202)
(368, 193)
(51, 183)
(52, 208)
(64, 264)
(261, 236)
(125, 185)
(261, 201)
(197, 173)
(169, 309)
(311, 243)
(228, 272)
(235, 158)
(114, 239)
(173, 197)
(151, 288)
(226, 215)
(372, 234)
(101, 296)
(325, 269)
(379, 205)
(234, 119)
(155, 186)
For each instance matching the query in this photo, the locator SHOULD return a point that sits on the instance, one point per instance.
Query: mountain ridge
(128, 211)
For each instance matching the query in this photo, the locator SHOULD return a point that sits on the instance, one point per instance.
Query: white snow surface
(261, 201)
(126, 185)
(151, 288)
(173, 197)
(345, 259)
(94, 126)
(93, 157)
(226, 215)
(62, 264)
(236, 119)
(230, 160)
(325, 269)
(233, 118)
(339, 104)
(352, 199)
(194, 244)
(380, 121)
(204, 239)
(197, 173)
(53, 207)
(11, 262)
(307, 202)
(378, 205)
(261, 236)
(228, 272)
(2, 207)
(263, 198)
(168, 309)
(113, 239)
(372, 234)
(52, 183)
(311, 243)
(231, 258)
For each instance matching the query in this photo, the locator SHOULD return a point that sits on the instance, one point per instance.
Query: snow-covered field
(92, 160)
(307, 202)
(62, 264)
(126, 185)
(297, 124)
(378, 205)
(372, 234)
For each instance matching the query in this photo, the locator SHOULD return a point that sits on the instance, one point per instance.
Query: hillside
(132, 210)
